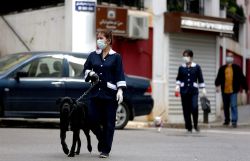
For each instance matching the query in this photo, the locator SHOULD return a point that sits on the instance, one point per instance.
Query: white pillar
(159, 58)
(243, 45)
(242, 42)
(224, 48)
(218, 94)
(80, 25)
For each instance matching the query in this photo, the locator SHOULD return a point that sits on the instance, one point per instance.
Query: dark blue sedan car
(31, 82)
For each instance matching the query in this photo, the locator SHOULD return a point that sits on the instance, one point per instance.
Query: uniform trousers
(102, 117)
(190, 107)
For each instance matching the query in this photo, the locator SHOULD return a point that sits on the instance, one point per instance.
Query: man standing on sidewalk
(231, 78)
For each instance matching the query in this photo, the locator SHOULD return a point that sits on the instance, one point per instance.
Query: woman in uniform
(106, 64)
(188, 82)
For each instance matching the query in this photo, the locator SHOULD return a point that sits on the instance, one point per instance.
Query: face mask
(186, 59)
(229, 59)
(101, 44)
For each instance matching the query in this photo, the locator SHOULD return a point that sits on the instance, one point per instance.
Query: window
(75, 66)
(9, 61)
(175, 5)
(189, 6)
(44, 67)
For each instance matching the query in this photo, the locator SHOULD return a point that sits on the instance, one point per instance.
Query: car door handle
(57, 84)
(6, 89)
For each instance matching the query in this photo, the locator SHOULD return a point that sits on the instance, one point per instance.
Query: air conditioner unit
(138, 25)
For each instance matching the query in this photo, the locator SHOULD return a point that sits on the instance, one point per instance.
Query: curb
(54, 123)
(138, 124)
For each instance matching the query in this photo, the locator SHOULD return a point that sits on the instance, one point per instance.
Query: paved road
(225, 144)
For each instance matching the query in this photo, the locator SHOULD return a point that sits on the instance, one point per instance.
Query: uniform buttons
(100, 80)
(99, 89)
(188, 74)
(101, 65)
(188, 79)
(188, 84)
(104, 59)
(100, 73)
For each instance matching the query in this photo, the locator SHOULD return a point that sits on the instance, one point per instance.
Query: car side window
(75, 66)
(44, 67)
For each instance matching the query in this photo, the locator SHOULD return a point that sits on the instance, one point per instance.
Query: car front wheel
(122, 116)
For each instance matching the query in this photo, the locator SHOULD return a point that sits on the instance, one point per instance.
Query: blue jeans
(230, 100)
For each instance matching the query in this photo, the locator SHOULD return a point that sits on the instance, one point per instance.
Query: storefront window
(189, 6)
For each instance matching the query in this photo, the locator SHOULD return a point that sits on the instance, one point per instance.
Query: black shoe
(104, 155)
(226, 123)
(234, 125)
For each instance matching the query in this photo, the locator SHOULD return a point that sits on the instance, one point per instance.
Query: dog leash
(86, 92)
(82, 96)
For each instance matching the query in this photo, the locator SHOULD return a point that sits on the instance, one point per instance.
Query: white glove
(119, 96)
(177, 91)
(217, 89)
(204, 92)
(177, 88)
(93, 77)
(91, 73)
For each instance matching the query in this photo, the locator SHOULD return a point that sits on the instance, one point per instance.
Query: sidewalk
(243, 114)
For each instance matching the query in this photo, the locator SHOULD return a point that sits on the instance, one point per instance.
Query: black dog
(73, 118)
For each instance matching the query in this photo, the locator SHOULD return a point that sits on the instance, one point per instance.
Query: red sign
(111, 18)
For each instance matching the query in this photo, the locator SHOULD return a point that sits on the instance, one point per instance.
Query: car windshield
(8, 61)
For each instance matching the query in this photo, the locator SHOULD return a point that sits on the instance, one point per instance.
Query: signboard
(176, 22)
(206, 25)
(111, 18)
(84, 6)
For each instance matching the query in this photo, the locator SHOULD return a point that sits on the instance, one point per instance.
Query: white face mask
(186, 59)
(101, 44)
(229, 59)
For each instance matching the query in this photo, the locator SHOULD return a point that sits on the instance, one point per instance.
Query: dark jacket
(239, 80)
(190, 79)
(110, 72)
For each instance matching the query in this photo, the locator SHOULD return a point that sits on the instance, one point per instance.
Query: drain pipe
(15, 33)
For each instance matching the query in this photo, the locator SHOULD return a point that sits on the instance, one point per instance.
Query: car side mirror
(20, 74)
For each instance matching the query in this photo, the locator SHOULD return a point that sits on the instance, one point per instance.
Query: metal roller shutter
(204, 48)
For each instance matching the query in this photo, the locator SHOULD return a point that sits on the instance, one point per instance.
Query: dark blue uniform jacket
(190, 79)
(110, 72)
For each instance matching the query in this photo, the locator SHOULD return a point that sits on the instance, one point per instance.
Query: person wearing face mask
(107, 93)
(189, 80)
(229, 80)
